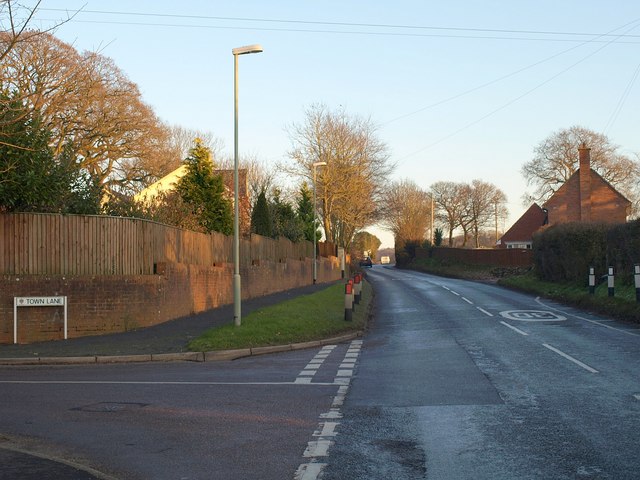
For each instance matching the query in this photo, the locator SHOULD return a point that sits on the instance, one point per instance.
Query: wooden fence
(51, 244)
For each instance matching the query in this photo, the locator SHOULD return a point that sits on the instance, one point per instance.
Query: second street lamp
(315, 260)
(237, 292)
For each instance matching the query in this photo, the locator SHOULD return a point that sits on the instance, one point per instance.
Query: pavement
(164, 342)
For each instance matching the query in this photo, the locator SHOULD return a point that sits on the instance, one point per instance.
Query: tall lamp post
(315, 260)
(237, 293)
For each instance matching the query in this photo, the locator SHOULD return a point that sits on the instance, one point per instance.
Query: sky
(458, 90)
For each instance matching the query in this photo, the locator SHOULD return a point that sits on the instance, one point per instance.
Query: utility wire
(512, 101)
(508, 75)
(342, 24)
(343, 32)
(622, 100)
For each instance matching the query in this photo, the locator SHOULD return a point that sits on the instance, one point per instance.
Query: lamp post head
(248, 49)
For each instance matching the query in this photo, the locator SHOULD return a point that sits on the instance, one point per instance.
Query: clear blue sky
(407, 65)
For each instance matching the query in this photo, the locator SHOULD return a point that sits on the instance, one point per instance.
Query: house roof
(574, 183)
(525, 226)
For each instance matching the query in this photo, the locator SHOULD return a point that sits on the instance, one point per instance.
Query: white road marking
(588, 320)
(445, 287)
(328, 430)
(637, 396)
(485, 312)
(570, 358)
(467, 300)
(513, 328)
(351, 355)
(317, 448)
(455, 293)
(114, 382)
(309, 471)
(332, 413)
(345, 373)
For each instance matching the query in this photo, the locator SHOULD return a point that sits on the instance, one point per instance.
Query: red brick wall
(106, 304)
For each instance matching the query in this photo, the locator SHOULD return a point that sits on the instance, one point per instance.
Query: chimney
(584, 154)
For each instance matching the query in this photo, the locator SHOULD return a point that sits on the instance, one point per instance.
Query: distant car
(384, 260)
(366, 262)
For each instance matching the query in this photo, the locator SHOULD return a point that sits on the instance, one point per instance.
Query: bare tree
(182, 140)
(483, 201)
(450, 199)
(92, 110)
(407, 211)
(15, 21)
(556, 159)
(351, 186)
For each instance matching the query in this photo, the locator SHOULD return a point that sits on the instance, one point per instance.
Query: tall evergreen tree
(305, 213)
(32, 177)
(203, 191)
(261, 217)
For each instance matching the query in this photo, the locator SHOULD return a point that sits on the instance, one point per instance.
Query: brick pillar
(585, 183)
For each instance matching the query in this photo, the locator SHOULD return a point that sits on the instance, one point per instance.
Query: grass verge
(302, 319)
(622, 306)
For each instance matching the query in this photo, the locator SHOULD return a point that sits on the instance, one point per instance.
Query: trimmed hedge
(564, 252)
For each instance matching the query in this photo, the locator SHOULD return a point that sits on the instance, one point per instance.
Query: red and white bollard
(348, 301)
(357, 288)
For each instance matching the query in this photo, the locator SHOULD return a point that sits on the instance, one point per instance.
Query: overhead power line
(472, 33)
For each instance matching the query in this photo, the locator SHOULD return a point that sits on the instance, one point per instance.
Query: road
(453, 380)
(461, 380)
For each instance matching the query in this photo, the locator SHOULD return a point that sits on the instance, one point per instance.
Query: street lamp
(237, 293)
(315, 261)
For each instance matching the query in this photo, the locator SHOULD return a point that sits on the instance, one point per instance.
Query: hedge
(564, 252)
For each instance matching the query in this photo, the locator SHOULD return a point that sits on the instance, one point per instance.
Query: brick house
(585, 197)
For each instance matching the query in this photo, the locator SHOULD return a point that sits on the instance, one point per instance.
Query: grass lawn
(301, 319)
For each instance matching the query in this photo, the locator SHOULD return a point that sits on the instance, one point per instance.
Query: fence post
(348, 302)
(592, 280)
(636, 278)
(611, 282)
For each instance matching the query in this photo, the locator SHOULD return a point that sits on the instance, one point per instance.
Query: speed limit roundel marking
(532, 316)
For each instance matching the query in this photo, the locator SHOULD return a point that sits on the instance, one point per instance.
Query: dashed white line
(570, 358)
(309, 471)
(514, 328)
(455, 293)
(636, 396)
(485, 312)
(467, 300)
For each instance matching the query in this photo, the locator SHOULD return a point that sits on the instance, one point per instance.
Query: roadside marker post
(592, 280)
(357, 288)
(636, 278)
(348, 301)
(611, 282)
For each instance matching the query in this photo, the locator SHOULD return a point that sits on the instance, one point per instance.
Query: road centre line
(514, 328)
(587, 319)
(467, 300)
(455, 293)
(485, 312)
(570, 358)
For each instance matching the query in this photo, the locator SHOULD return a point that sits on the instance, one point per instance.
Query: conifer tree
(203, 191)
(261, 217)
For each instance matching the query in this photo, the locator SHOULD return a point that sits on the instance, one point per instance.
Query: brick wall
(107, 304)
